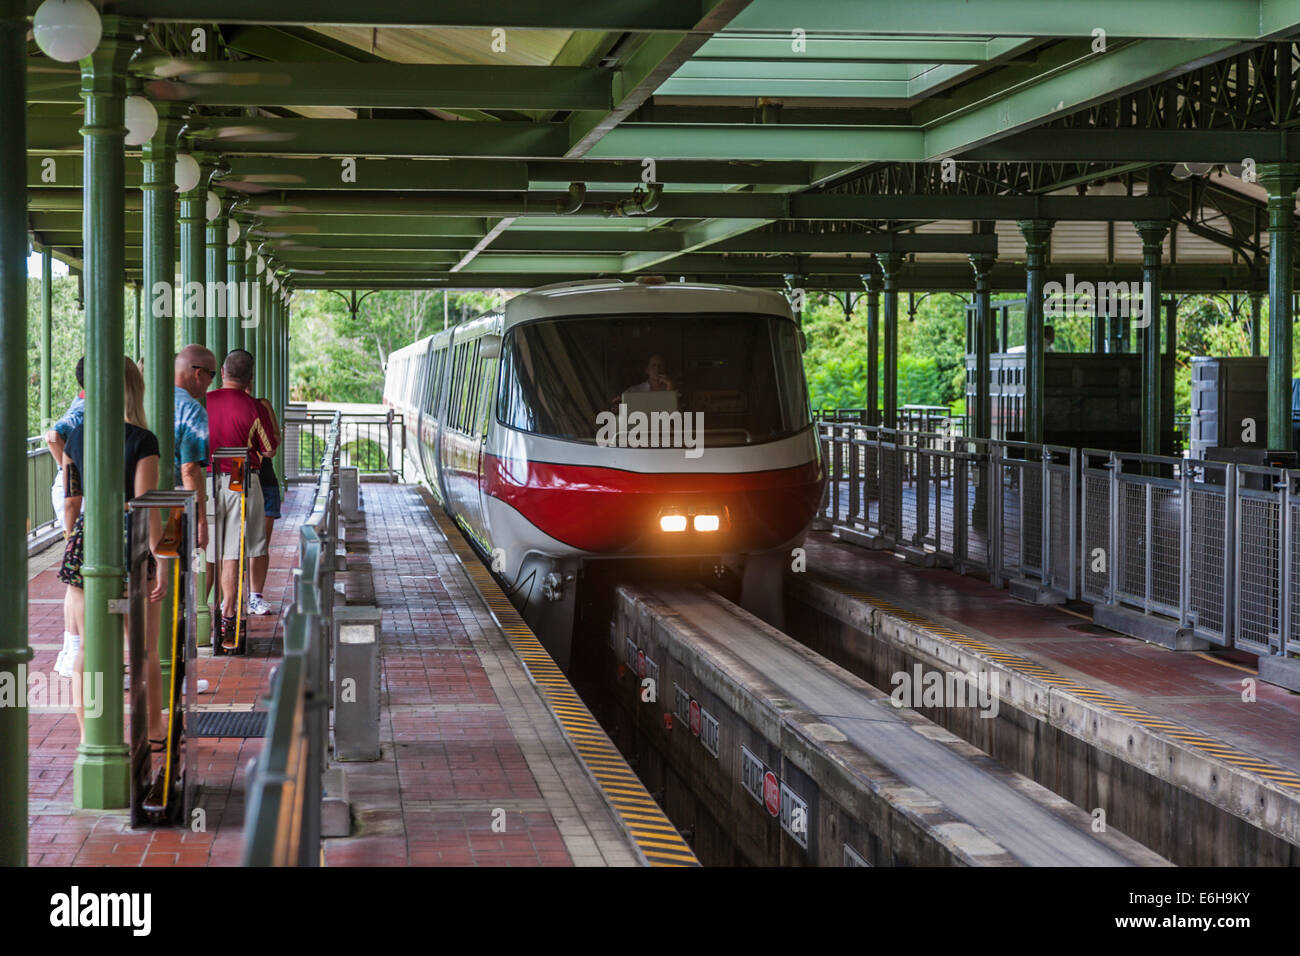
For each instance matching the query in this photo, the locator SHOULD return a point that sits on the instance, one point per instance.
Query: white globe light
(187, 172)
(141, 121)
(213, 209)
(261, 265)
(232, 233)
(1199, 169)
(67, 30)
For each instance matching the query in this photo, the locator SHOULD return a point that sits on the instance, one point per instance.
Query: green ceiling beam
(641, 74)
(862, 242)
(621, 15)
(1085, 82)
(830, 49)
(257, 174)
(381, 137)
(831, 143)
(1083, 145)
(302, 226)
(913, 276)
(727, 205)
(1173, 19)
(383, 85)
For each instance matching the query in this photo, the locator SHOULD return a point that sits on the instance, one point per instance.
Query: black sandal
(158, 745)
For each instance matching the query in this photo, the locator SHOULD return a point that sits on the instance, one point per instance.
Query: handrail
(284, 785)
(1197, 545)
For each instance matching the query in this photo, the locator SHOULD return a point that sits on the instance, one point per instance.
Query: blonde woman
(140, 475)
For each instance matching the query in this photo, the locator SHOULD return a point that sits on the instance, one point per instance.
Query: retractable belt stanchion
(165, 797)
(239, 476)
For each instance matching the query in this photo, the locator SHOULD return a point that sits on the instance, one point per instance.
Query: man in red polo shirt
(235, 420)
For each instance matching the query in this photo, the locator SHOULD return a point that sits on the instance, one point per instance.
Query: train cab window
(742, 375)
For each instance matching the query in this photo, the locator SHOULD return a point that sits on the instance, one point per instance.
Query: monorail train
(597, 420)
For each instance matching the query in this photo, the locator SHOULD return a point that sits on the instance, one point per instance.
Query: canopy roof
(509, 144)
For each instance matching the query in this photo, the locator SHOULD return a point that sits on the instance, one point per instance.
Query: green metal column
(247, 325)
(1168, 369)
(1281, 181)
(1100, 317)
(234, 284)
(871, 280)
(1153, 234)
(159, 261)
(100, 773)
(139, 344)
(1256, 318)
(193, 270)
(263, 323)
(215, 300)
(47, 334)
(277, 395)
(14, 650)
(1037, 233)
(890, 263)
(982, 414)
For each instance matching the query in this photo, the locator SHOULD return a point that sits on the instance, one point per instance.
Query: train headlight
(672, 522)
(707, 522)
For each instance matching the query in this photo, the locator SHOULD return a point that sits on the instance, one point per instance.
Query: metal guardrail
(1213, 547)
(372, 442)
(284, 785)
(40, 476)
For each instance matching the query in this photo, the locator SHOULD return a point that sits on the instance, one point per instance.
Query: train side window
(453, 385)
(471, 390)
(486, 404)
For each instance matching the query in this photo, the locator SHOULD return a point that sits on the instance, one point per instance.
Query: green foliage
(336, 357)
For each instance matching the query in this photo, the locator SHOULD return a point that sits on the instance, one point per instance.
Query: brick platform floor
(1200, 690)
(62, 835)
(466, 739)
(467, 742)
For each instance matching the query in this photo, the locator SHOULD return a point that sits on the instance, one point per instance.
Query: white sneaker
(202, 686)
(69, 656)
(256, 605)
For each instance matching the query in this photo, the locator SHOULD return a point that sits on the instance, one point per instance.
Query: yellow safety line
(1180, 732)
(622, 788)
(171, 707)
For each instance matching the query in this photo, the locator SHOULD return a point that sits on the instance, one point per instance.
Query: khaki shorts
(228, 510)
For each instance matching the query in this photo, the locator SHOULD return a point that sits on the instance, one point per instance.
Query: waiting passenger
(259, 566)
(55, 439)
(235, 419)
(140, 474)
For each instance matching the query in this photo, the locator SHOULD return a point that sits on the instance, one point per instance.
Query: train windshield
(739, 378)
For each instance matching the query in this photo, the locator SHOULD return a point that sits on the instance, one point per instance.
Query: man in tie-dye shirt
(195, 369)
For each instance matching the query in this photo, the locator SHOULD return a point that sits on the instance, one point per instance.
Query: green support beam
(1175, 19)
(235, 288)
(889, 266)
(193, 265)
(101, 772)
(1281, 180)
(47, 332)
(215, 299)
(871, 280)
(385, 85)
(15, 653)
(1153, 238)
(159, 247)
(1038, 234)
(605, 15)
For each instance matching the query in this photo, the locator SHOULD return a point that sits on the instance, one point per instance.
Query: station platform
(477, 732)
(1089, 710)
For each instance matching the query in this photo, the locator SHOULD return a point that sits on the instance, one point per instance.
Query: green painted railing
(284, 786)
(40, 475)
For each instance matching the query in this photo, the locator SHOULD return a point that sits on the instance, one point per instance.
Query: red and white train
(604, 420)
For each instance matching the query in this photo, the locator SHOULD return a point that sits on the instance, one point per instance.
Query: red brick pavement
(62, 835)
(450, 758)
